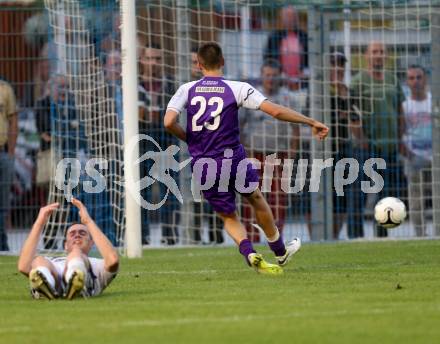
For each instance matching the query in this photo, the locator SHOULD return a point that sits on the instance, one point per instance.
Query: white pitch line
(190, 321)
(175, 272)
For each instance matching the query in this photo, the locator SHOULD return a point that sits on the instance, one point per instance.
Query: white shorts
(97, 277)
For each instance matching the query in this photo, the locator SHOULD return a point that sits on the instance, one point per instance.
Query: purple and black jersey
(212, 105)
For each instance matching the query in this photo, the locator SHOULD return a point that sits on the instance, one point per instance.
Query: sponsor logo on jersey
(210, 82)
(207, 89)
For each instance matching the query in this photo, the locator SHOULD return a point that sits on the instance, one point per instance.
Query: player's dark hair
(272, 63)
(416, 66)
(337, 58)
(210, 55)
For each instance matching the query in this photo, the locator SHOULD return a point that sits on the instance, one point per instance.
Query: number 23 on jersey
(214, 114)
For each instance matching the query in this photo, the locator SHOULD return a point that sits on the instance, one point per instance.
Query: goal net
(347, 64)
(85, 126)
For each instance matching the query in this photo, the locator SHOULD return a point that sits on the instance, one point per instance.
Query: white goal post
(131, 128)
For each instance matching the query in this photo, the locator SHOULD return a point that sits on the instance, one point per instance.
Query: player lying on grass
(76, 273)
(213, 132)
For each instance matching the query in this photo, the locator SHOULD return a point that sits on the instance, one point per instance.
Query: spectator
(263, 135)
(112, 72)
(57, 99)
(289, 46)
(8, 139)
(159, 88)
(377, 97)
(42, 74)
(342, 120)
(417, 145)
(196, 73)
(43, 118)
(112, 41)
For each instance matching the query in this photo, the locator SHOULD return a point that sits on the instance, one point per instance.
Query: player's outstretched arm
(172, 126)
(283, 113)
(30, 245)
(105, 247)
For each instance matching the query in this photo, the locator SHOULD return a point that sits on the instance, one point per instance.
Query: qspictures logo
(207, 173)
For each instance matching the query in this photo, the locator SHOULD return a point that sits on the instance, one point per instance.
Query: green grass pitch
(381, 292)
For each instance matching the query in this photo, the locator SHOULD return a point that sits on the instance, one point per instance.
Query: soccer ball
(390, 212)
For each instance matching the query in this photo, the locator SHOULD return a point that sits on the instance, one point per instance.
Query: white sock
(75, 264)
(48, 275)
(275, 237)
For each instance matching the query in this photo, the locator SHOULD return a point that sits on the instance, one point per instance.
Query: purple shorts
(243, 178)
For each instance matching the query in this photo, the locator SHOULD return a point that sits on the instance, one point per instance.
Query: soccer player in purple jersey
(212, 131)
